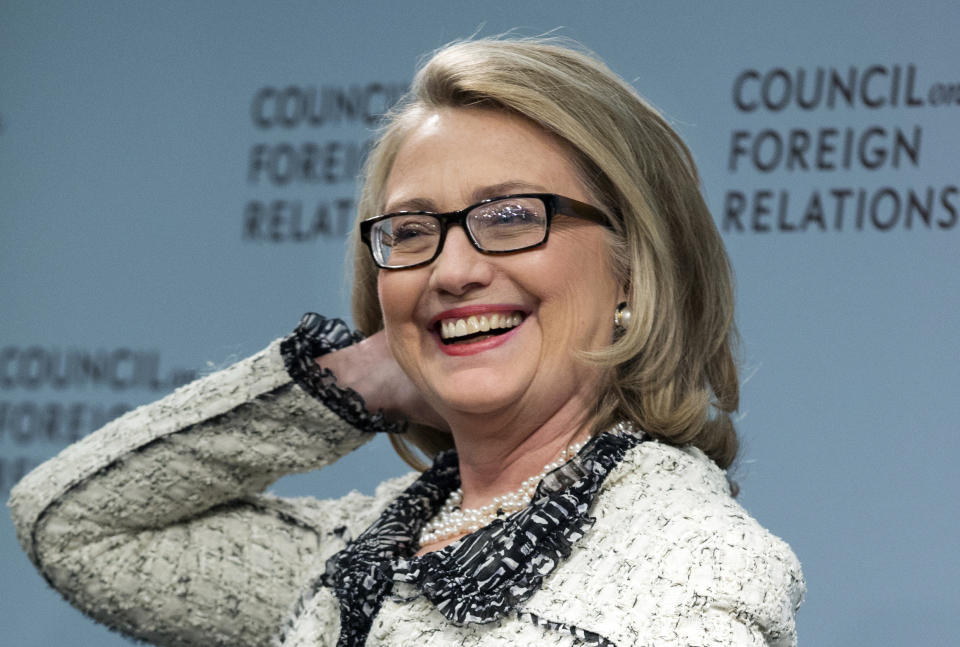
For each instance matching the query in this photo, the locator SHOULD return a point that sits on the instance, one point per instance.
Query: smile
(478, 327)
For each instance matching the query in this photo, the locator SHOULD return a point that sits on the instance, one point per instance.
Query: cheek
(398, 294)
(396, 300)
(580, 296)
(576, 314)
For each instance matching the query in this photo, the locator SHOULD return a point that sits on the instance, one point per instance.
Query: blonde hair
(672, 372)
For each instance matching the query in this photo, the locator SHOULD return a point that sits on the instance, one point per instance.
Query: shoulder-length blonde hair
(672, 372)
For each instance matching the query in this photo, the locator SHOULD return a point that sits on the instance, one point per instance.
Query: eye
(522, 211)
(514, 214)
(409, 230)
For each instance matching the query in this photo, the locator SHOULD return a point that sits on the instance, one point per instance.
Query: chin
(479, 399)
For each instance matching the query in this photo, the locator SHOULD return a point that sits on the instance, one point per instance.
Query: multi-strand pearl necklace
(453, 521)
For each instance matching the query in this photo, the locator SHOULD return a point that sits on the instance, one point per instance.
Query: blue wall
(149, 227)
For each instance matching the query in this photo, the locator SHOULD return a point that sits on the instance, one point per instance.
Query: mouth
(474, 328)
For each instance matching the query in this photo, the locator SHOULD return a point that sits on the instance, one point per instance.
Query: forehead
(453, 156)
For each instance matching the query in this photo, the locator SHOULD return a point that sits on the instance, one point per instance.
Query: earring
(621, 318)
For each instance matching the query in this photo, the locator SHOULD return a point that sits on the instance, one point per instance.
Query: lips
(475, 328)
(454, 329)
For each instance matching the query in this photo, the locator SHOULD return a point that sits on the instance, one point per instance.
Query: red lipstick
(480, 345)
(474, 347)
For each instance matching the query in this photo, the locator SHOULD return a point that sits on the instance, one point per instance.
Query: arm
(154, 525)
(676, 561)
(754, 600)
(744, 584)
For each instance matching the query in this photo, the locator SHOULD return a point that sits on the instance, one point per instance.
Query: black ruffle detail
(488, 573)
(361, 574)
(315, 336)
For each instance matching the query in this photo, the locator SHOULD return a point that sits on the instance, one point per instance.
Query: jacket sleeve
(742, 584)
(673, 560)
(155, 525)
(754, 590)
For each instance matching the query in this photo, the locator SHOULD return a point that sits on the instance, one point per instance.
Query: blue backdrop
(176, 180)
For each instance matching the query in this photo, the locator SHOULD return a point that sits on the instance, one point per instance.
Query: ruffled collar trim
(486, 574)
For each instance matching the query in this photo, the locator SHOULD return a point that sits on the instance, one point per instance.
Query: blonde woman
(546, 315)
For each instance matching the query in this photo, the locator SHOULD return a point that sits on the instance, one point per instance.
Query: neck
(498, 453)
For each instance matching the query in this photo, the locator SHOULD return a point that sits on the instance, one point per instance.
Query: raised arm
(154, 525)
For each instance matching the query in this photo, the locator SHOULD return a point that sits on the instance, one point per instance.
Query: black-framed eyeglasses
(501, 225)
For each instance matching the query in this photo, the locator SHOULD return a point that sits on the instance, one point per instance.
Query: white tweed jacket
(157, 526)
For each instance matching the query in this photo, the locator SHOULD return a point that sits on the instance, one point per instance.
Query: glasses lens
(404, 240)
(509, 224)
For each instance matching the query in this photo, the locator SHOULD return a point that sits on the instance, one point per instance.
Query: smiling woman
(545, 308)
(511, 395)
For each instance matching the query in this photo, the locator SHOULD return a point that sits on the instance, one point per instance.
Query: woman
(543, 288)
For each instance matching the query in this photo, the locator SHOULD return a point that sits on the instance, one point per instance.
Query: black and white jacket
(157, 526)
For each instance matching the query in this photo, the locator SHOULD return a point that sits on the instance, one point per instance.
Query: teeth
(451, 328)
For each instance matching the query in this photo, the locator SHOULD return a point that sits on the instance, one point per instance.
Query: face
(546, 303)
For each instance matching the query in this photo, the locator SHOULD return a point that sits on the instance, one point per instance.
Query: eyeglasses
(495, 226)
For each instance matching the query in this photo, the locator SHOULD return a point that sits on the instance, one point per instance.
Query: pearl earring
(621, 318)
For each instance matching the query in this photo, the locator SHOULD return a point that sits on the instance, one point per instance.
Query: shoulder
(670, 495)
(671, 546)
(702, 538)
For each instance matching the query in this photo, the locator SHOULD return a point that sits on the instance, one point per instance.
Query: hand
(368, 367)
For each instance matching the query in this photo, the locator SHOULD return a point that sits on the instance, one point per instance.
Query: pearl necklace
(453, 521)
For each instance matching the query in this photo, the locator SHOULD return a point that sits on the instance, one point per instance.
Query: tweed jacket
(158, 526)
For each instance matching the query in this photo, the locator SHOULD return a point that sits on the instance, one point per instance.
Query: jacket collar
(486, 574)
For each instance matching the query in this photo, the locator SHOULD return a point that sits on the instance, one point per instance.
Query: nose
(460, 268)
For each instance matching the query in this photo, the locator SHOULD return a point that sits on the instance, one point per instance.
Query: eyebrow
(478, 195)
